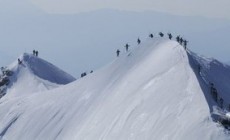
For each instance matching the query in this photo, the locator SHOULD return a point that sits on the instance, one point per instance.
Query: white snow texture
(152, 92)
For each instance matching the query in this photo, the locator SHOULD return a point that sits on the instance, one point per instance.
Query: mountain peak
(150, 92)
(45, 70)
(30, 74)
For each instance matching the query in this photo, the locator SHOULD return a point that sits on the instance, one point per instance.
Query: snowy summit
(33, 74)
(157, 91)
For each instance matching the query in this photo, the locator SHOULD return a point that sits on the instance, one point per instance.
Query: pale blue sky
(73, 40)
(208, 8)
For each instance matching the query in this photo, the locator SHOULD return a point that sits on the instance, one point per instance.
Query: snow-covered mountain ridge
(33, 75)
(151, 92)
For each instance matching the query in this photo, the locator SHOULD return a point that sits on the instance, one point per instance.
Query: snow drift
(152, 92)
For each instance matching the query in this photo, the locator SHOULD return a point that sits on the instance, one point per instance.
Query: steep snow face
(148, 93)
(46, 70)
(213, 71)
(34, 75)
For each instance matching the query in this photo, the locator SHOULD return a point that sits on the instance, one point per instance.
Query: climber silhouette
(178, 39)
(36, 53)
(185, 43)
(151, 35)
(118, 52)
(127, 47)
(170, 36)
(138, 41)
(19, 61)
(161, 34)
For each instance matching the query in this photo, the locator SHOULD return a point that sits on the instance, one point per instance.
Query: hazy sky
(209, 8)
(73, 42)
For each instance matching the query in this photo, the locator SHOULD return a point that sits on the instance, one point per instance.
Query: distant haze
(86, 41)
(207, 8)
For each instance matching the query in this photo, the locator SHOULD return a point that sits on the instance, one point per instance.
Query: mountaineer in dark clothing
(170, 36)
(127, 47)
(19, 61)
(83, 74)
(178, 39)
(151, 35)
(118, 52)
(185, 43)
(138, 41)
(181, 40)
(36, 53)
(161, 34)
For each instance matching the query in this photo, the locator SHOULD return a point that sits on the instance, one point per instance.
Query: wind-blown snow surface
(35, 75)
(149, 93)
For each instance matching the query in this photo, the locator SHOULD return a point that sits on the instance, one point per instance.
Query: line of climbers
(179, 39)
(214, 93)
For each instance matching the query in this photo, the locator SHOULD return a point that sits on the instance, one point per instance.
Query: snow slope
(213, 71)
(34, 75)
(152, 92)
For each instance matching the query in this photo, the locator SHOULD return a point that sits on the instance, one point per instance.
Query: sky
(207, 8)
(83, 36)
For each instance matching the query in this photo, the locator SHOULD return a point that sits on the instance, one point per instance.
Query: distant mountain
(18, 8)
(155, 91)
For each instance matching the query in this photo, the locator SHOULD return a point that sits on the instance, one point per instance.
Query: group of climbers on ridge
(35, 53)
(179, 39)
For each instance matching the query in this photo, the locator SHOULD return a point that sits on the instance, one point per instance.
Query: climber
(138, 41)
(178, 39)
(83, 74)
(151, 35)
(36, 53)
(161, 34)
(170, 36)
(118, 52)
(185, 43)
(127, 47)
(181, 41)
(19, 61)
